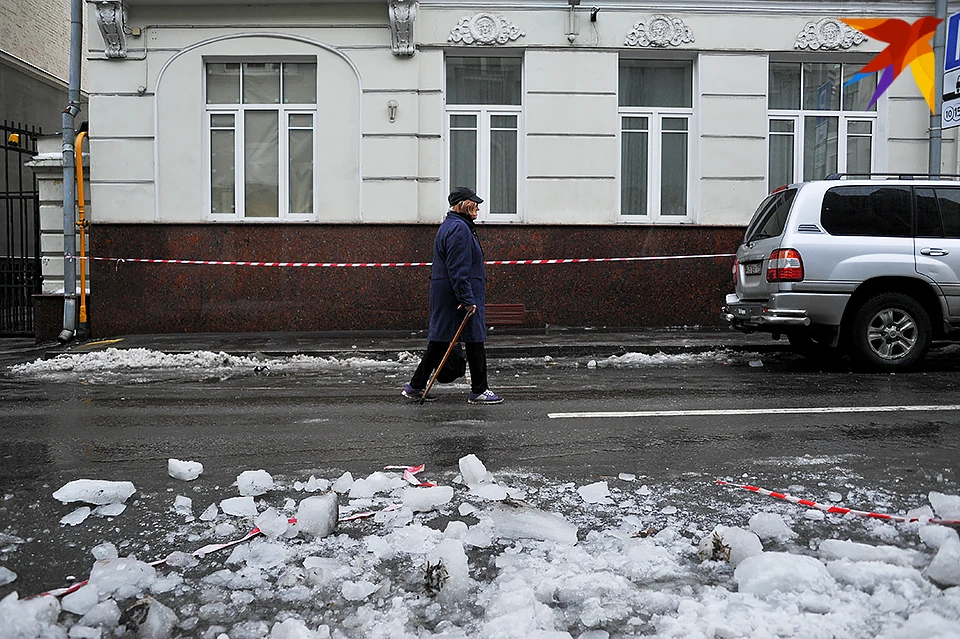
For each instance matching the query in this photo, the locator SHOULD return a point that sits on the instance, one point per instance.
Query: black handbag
(455, 367)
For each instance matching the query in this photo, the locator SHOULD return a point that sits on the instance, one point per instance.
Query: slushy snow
(568, 563)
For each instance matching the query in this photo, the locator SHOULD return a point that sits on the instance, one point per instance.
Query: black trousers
(476, 360)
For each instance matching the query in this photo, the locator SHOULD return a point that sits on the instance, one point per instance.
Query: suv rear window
(771, 216)
(880, 211)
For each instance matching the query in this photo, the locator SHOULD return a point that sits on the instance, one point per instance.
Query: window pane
(503, 172)
(633, 170)
(261, 162)
(261, 83)
(859, 147)
(821, 82)
(483, 80)
(949, 200)
(299, 83)
(222, 172)
(771, 216)
(221, 120)
(780, 168)
(301, 120)
(463, 158)
(301, 171)
(879, 211)
(223, 83)
(781, 126)
(784, 78)
(673, 169)
(819, 147)
(463, 122)
(635, 124)
(928, 216)
(503, 122)
(656, 84)
(857, 96)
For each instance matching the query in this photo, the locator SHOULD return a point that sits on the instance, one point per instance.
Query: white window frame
(799, 116)
(484, 113)
(284, 111)
(655, 117)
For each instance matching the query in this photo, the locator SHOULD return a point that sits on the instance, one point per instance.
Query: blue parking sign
(951, 54)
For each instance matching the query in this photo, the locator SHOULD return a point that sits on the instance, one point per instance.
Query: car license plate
(752, 268)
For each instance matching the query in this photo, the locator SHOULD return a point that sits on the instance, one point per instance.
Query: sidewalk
(553, 342)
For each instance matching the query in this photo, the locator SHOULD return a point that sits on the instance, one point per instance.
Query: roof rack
(896, 176)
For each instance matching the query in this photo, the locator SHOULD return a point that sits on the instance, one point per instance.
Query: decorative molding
(403, 15)
(659, 31)
(828, 34)
(111, 18)
(485, 29)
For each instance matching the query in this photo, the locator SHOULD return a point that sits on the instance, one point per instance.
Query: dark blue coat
(458, 278)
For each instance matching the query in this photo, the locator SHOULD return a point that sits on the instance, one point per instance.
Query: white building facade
(329, 132)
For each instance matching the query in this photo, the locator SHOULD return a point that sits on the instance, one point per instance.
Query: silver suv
(869, 266)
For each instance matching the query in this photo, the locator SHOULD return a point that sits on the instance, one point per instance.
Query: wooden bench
(504, 314)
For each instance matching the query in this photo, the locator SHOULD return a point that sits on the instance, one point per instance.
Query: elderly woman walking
(457, 290)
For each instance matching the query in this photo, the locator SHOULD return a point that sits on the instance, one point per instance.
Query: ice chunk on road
(239, 506)
(106, 550)
(343, 483)
(24, 618)
(159, 622)
(317, 515)
(945, 567)
(946, 506)
(730, 543)
(81, 601)
(184, 470)
(596, 493)
(374, 483)
(77, 517)
(627, 477)
(514, 520)
(421, 500)
(358, 590)
(252, 483)
(95, 491)
(769, 572)
(210, 513)
(7, 576)
(491, 492)
(292, 629)
(110, 510)
(105, 614)
(183, 506)
(771, 526)
(837, 549)
(450, 555)
(473, 471)
(272, 523)
(122, 578)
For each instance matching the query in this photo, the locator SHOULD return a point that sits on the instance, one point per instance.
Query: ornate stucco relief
(659, 31)
(403, 15)
(484, 28)
(828, 34)
(111, 20)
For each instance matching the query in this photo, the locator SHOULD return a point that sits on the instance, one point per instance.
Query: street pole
(936, 132)
(69, 167)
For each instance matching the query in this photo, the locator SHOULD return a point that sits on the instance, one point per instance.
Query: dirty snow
(719, 564)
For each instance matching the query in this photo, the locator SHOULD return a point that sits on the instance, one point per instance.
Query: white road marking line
(761, 411)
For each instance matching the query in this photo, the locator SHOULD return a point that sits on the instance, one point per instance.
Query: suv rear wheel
(889, 332)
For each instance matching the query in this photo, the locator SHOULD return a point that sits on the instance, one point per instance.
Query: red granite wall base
(162, 298)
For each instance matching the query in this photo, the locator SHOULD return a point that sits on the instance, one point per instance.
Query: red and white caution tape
(839, 510)
(410, 475)
(580, 260)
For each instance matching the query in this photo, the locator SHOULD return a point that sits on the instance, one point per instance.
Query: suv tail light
(785, 265)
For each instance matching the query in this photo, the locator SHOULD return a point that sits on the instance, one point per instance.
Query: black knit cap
(462, 193)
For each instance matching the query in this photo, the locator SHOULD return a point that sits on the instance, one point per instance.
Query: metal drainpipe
(936, 130)
(69, 197)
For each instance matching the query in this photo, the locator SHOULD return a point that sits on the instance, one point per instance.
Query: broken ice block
(95, 491)
(184, 470)
(317, 515)
(254, 482)
(514, 520)
(426, 499)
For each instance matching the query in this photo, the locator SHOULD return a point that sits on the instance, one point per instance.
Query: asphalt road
(323, 423)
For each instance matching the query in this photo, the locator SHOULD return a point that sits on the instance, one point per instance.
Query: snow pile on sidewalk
(552, 560)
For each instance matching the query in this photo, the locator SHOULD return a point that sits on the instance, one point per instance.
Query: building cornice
(879, 8)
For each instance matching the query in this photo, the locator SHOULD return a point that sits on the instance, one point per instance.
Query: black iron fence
(20, 269)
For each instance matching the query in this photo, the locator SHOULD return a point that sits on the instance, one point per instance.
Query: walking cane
(445, 356)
